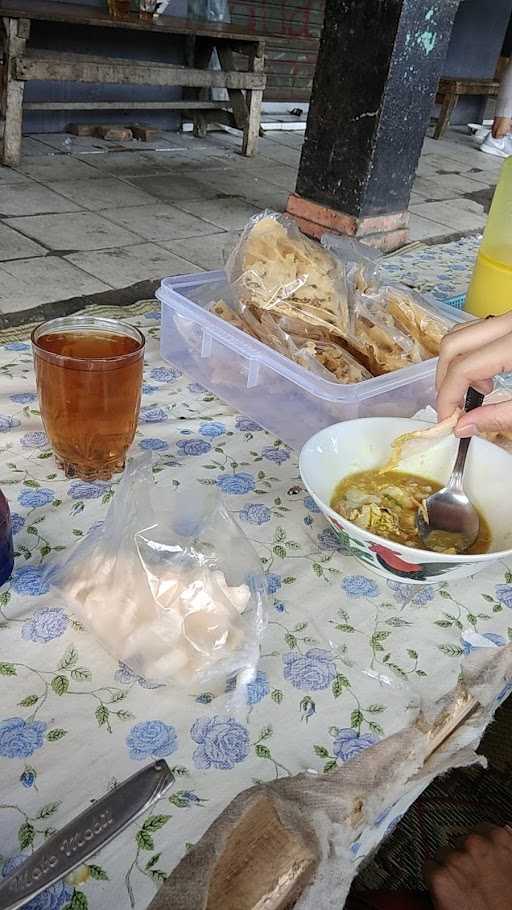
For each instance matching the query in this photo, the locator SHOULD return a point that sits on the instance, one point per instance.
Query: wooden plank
(236, 97)
(468, 86)
(81, 68)
(253, 99)
(15, 34)
(124, 105)
(97, 16)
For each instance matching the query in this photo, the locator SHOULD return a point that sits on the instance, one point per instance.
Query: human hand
(478, 876)
(470, 356)
(501, 127)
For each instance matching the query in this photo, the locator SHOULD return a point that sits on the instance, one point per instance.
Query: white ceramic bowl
(359, 445)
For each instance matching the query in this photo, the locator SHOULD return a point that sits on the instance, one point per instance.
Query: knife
(85, 835)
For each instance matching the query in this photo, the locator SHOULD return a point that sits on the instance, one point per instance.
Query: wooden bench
(21, 64)
(449, 92)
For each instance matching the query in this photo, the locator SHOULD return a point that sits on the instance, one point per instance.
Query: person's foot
(500, 148)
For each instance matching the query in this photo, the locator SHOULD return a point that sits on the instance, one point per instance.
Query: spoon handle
(474, 400)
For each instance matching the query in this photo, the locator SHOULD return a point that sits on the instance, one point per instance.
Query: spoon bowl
(447, 520)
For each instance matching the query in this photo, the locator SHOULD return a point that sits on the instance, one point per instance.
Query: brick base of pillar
(385, 232)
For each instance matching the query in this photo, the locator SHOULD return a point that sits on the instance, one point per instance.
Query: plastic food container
(260, 383)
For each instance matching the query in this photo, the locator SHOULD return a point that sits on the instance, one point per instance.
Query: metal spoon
(447, 519)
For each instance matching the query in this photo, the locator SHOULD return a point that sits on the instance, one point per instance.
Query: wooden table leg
(236, 96)
(198, 55)
(15, 34)
(254, 99)
(447, 109)
(246, 108)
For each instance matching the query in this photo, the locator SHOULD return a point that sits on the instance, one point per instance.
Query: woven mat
(22, 332)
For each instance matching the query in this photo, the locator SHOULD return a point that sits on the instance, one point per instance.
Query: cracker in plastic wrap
(338, 363)
(275, 268)
(415, 318)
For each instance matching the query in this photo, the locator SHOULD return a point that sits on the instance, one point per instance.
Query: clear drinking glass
(89, 380)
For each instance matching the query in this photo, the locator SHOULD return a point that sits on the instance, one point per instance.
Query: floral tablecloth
(345, 660)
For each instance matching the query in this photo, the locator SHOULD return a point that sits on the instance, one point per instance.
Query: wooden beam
(124, 105)
(80, 14)
(81, 68)
(15, 34)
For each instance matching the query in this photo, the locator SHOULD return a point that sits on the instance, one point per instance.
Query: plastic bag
(414, 316)
(274, 267)
(169, 584)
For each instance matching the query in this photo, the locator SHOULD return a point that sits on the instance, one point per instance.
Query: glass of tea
(89, 380)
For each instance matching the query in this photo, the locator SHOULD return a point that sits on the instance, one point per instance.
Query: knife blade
(85, 835)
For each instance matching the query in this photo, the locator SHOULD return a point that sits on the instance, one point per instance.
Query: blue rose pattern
(54, 898)
(126, 677)
(165, 374)
(151, 739)
(80, 489)
(222, 743)
(258, 688)
(27, 778)
(328, 540)
(17, 346)
(256, 513)
(35, 440)
(273, 583)
(45, 624)
(411, 594)
(504, 595)
(347, 743)
(17, 522)
(31, 580)
(23, 397)
(236, 484)
(246, 425)
(193, 446)
(311, 505)
(278, 456)
(33, 499)
(153, 445)
(359, 586)
(314, 670)
(20, 738)
(152, 415)
(212, 429)
(8, 423)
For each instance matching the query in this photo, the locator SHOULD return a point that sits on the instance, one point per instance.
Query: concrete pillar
(375, 81)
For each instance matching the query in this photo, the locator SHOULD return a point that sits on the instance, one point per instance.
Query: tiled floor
(80, 216)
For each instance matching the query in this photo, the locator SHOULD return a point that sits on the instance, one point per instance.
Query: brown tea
(89, 383)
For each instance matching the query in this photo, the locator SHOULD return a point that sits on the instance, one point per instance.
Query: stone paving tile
(228, 214)
(126, 265)
(425, 229)
(101, 193)
(171, 187)
(32, 199)
(79, 231)
(8, 175)
(14, 245)
(461, 215)
(159, 222)
(446, 186)
(59, 167)
(30, 282)
(207, 252)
